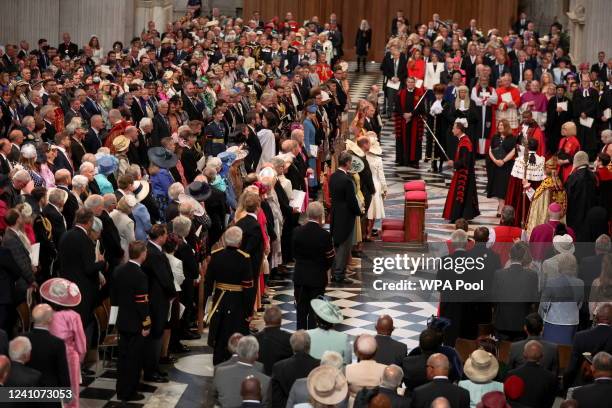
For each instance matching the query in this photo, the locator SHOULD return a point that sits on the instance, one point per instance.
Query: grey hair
(606, 136)
(145, 122)
(315, 211)
(57, 197)
(28, 120)
(333, 359)
(114, 114)
(247, 348)
(85, 165)
(181, 226)
(567, 264)
(603, 244)
(72, 127)
(459, 238)
(233, 236)
(19, 349)
(174, 190)
(79, 181)
(277, 161)
(44, 111)
(134, 171)
(300, 341)
(109, 200)
(601, 362)
(213, 162)
(22, 176)
(392, 376)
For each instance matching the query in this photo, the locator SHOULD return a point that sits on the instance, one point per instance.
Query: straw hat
(121, 143)
(61, 291)
(327, 385)
(564, 244)
(327, 311)
(354, 148)
(481, 366)
(141, 189)
(239, 152)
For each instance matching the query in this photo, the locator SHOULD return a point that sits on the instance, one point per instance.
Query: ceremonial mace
(428, 128)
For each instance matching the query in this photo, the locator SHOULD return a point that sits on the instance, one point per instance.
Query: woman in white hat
(480, 369)
(123, 222)
(562, 296)
(376, 210)
(327, 387)
(63, 295)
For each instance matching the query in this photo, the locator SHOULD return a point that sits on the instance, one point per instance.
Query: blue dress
(309, 140)
(160, 183)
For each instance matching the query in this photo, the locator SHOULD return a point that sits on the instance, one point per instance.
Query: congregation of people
(175, 177)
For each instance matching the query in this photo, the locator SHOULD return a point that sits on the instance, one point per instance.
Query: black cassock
(605, 102)
(588, 105)
(581, 188)
(483, 122)
(554, 121)
(440, 126)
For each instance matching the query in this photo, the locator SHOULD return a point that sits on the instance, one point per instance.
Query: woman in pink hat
(63, 295)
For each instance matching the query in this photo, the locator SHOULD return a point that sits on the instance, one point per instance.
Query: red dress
(324, 72)
(416, 69)
(568, 147)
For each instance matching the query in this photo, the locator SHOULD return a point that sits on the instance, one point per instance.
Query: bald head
(437, 365)
(42, 315)
(232, 343)
(533, 351)
(392, 377)
(250, 389)
(384, 325)
(5, 368)
(440, 402)
(365, 346)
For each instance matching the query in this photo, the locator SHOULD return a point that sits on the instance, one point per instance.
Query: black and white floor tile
(191, 376)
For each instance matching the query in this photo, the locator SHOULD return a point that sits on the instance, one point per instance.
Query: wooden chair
(564, 352)
(504, 351)
(110, 338)
(465, 347)
(24, 318)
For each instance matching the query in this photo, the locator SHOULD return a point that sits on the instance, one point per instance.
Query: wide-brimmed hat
(564, 244)
(238, 151)
(481, 366)
(227, 157)
(107, 164)
(357, 164)
(199, 190)
(28, 151)
(61, 291)
(105, 69)
(354, 148)
(375, 147)
(580, 159)
(327, 385)
(141, 189)
(198, 210)
(162, 157)
(121, 143)
(493, 399)
(327, 311)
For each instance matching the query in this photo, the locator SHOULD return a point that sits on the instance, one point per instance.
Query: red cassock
(568, 147)
(536, 133)
(408, 134)
(416, 69)
(462, 198)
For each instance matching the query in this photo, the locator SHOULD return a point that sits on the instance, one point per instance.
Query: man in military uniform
(133, 321)
(215, 134)
(229, 280)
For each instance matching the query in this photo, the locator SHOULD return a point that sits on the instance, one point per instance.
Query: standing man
(161, 290)
(80, 264)
(252, 241)
(133, 321)
(314, 255)
(395, 71)
(584, 108)
(344, 209)
(228, 278)
(408, 125)
(462, 199)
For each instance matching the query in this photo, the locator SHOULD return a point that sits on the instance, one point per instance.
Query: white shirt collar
(156, 245)
(252, 215)
(134, 262)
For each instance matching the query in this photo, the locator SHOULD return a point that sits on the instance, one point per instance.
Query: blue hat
(107, 164)
(227, 157)
(311, 109)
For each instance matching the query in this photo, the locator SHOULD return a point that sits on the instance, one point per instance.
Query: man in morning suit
(161, 289)
(21, 375)
(48, 353)
(540, 383)
(594, 340)
(273, 341)
(389, 351)
(131, 294)
(344, 209)
(79, 264)
(285, 372)
(439, 385)
(252, 242)
(53, 212)
(232, 345)
(229, 280)
(534, 325)
(595, 395)
(314, 254)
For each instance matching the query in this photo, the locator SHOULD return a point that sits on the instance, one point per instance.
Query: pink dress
(66, 325)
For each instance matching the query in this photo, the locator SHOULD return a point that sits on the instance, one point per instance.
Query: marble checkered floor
(191, 376)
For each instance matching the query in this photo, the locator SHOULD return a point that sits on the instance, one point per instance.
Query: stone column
(577, 18)
(159, 11)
